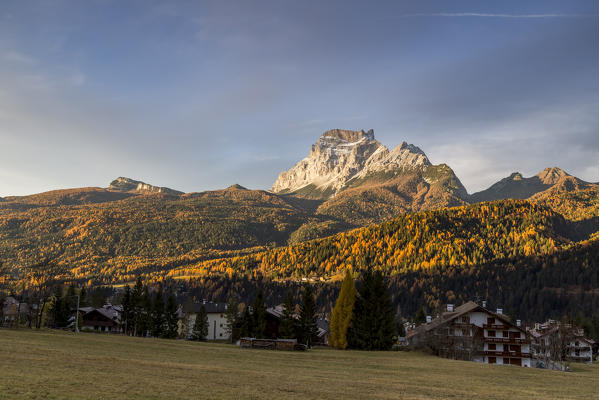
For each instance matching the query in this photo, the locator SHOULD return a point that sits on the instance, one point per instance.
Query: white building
(217, 320)
(471, 332)
(555, 342)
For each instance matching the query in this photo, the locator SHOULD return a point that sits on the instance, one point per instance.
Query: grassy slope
(53, 365)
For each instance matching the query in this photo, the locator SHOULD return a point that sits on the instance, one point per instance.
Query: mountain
(362, 182)
(340, 156)
(122, 184)
(515, 186)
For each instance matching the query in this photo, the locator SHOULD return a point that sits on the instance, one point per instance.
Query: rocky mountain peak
(122, 184)
(349, 136)
(550, 176)
(342, 155)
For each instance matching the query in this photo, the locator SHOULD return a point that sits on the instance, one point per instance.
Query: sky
(199, 95)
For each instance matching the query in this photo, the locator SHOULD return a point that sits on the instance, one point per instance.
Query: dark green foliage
(308, 328)
(245, 329)
(126, 315)
(373, 323)
(171, 317)
(420, 317)
(259, 316)
(158, 320)
(60, 309)
(287, 327)
(200, 326)
(232, 317)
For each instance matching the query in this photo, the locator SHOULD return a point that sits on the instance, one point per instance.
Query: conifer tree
(259, 316)
(246, 329)
(231, 315)
(145, 317)
(308, 328)
(288, 323)
(373, 321)
(420, 317)
(137, 314)
(171, 316)
(200, 326)
(157, 316)
(127, 310)
(342, 313)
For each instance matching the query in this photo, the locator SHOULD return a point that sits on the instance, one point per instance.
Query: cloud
(493, 15)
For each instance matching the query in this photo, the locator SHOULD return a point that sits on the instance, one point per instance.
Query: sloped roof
(458, 312)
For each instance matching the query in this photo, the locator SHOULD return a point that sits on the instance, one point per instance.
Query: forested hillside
(461, 236)
(84, 234)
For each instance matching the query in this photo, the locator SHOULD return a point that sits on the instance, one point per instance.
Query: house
(217, 320)
(472, 332)
(103, 319)
(13, 311)
(555, 342)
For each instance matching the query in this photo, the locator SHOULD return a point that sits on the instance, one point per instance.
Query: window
(491, 334)
(492, 360)
(492, 346)
(505, 334)
(490, 321)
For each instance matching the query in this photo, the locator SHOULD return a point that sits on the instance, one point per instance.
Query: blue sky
(199, 95)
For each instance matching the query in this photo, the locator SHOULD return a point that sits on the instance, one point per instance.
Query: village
(470, 332)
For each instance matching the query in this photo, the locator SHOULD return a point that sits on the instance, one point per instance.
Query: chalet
(555, 342)
(471, 332)
(13, 311)
(103, 319)
(217, 320)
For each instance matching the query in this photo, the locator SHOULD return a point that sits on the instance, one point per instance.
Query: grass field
(57, 365)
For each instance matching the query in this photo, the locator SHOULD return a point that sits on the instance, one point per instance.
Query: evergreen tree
(231, 315)
(127, 312)
(83, 297)
(137, 315)
(342, 313)
(60, 308)
(373, 321)
(145, 317)
(420, 317)
(287, 326)
(308, 328)
(200, 326)
(157, 315)
(259, 316)
(172, 317)
(246, 328)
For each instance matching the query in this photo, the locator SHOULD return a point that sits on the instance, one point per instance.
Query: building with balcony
(472, 332)
(554, 343)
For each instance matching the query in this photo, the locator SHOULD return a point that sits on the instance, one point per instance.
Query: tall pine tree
(373, 322)
(246, 329)
(127, 310)
(200, 326)
(158, 320)
(259, 316)
(231, 314)
(342, 313)
(287, 327)
(171, 317)
(308, 327)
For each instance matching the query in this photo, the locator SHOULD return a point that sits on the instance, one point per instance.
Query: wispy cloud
(494, 15)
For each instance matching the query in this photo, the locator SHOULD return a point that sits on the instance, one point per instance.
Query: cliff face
(340, 156)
